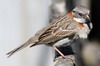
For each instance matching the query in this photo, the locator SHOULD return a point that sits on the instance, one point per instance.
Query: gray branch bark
(70, 61)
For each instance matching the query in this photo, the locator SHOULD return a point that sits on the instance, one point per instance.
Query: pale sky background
(19, 20)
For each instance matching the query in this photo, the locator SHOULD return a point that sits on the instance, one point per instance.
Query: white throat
(79, 20)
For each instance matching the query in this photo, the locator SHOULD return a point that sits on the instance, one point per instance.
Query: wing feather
(57, 30)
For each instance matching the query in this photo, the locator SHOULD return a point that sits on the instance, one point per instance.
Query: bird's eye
(80, 14)
(74, 11)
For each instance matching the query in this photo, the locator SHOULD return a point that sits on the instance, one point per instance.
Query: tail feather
(16, 50)
(20, 47)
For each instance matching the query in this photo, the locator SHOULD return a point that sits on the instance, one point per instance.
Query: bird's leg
(63, 56)
(59, 51)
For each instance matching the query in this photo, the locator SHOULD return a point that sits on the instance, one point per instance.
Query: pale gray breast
(83, 33)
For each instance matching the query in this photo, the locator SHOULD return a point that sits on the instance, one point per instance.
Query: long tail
(30, 41)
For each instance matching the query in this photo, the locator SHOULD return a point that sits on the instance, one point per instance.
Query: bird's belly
(83, 35)
(62, 42)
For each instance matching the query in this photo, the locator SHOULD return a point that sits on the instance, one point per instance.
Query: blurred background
(21, 19)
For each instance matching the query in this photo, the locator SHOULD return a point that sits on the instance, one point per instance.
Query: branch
(68, 61)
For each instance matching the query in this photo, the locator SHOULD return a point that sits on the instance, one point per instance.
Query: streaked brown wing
(58, 30)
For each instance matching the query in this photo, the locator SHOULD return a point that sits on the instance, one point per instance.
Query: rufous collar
(79, 24)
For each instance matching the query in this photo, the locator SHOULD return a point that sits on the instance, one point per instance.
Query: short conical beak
(89, 22)
(87, 17)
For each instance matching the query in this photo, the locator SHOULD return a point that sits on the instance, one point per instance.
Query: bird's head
(81, 15)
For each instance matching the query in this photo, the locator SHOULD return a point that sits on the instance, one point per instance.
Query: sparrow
(62, 31)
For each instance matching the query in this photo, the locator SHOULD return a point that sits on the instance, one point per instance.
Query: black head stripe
(88, 23)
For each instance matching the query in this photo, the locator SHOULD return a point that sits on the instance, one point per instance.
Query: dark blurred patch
(65, 50)
(70, 4)
(95, 16)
